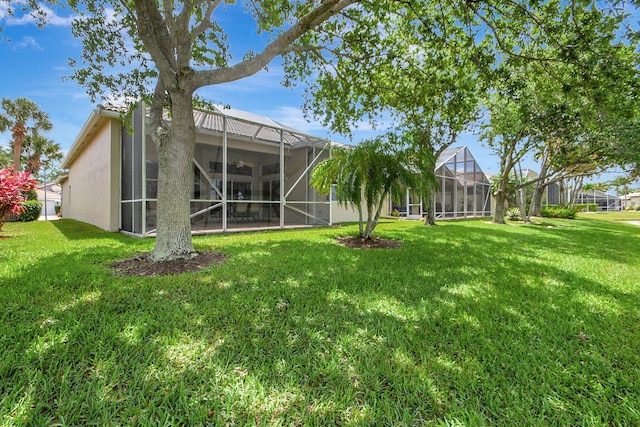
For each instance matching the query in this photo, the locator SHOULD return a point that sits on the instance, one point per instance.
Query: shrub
(567, 213)
(513, 214)
(31, 195)
(32, 210)
(558, 212)
(13, 185)
(638, 208)
(586, 207)
(57, 208)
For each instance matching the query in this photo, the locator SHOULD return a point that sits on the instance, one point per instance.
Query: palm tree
(621, 182)
(39, 151)
(23, 117)
(366, 175)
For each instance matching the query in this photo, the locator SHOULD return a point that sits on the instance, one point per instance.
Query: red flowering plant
(13, 186)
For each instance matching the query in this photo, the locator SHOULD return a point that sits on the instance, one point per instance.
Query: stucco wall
(65, 209)
(91, 193)
(340, 214)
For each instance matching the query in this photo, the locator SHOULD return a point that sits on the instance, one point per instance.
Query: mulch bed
(143, 266)
(371, 243)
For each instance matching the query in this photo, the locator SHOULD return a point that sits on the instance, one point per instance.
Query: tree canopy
(429, 73)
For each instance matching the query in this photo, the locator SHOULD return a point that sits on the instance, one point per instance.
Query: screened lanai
(249, 172)
(463, 189)
(606, 202)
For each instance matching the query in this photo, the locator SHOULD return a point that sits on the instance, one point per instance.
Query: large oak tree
(558, 71)
(177, 48)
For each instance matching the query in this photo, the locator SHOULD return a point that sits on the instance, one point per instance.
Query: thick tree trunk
(536, 200)
(498, 213)
(175, 178)
(431, 208)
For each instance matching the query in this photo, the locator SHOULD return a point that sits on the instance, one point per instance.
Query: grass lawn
(468, 323)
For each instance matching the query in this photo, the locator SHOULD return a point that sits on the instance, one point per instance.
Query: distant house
(606, 202)
(631, 200)
(50, 195)
(249, 172)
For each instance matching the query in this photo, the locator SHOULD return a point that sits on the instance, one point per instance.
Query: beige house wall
(91, 194)
(339, 214)
(64, 204)
(630, 200)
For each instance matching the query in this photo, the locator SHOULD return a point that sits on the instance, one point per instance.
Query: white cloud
(50, 16)
(26, 42)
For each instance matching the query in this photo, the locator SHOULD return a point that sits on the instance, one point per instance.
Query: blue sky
(34, 62)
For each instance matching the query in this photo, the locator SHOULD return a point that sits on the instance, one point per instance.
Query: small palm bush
(514, 214)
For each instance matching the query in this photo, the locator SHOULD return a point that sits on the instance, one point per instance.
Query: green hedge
(587, 207)
(32, 210)
(558, 212)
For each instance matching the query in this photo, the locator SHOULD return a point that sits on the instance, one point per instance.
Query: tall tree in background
(566, 108)
(621, 184)
(39, 152)
(24, 119)
(410, 75)
(421, 73)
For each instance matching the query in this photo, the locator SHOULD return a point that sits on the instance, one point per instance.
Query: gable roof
(95, 120)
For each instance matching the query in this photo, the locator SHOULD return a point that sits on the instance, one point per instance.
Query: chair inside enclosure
(254, 211)
(242, 211)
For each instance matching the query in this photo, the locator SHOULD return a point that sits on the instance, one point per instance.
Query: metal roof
(250, 126)
(447, 155)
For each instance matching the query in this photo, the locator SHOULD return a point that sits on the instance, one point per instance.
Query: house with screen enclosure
(463, 191)
(249, 172)
(606, 202)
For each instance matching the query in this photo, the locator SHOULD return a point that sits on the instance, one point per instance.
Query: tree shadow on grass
(446, 329)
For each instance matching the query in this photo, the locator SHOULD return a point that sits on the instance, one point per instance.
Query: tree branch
(252, 65)
(206, 20)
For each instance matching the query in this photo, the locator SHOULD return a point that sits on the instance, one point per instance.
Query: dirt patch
(371, 243)
(143, 266)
